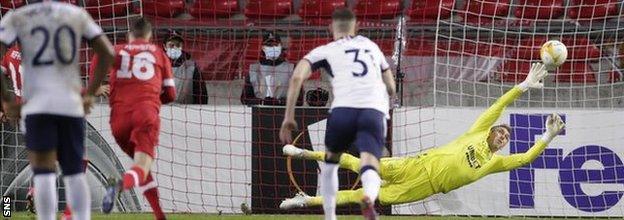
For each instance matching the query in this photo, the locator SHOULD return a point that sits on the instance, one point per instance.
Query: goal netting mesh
(219, 150)
(477, 51)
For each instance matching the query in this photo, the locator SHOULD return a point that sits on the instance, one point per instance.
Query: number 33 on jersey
(356, 65)
(139, 74)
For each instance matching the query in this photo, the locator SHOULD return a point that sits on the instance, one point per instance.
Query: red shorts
(136, 128)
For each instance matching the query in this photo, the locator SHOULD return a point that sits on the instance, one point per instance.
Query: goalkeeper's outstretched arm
(533, 80)
(554, 125)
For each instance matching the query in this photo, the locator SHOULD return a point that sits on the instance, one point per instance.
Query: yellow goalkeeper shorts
(405, 180)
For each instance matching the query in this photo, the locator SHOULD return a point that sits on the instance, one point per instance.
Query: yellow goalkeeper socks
(315, 155)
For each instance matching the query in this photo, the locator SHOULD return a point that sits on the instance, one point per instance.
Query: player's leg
(121, 127)
(145, 138)
(415, 188)
(41, 139)
(343, 197)
(70, 157)
(67, 214)
(347, 161)
(150, 191)
(370, 140)
(339, 135)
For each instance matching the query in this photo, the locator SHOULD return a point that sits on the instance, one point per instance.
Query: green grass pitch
(148, 216)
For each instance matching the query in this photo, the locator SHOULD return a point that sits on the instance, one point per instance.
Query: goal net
(114, 16)
(480, 49)
(219, 148)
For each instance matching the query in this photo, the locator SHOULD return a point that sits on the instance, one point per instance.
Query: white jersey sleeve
(8, 34)
(90, 29)
(384, 63)
(318, 59)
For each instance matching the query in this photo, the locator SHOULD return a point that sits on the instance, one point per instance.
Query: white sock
(371, 183)
(78, 196)
(46, 200)
(329, 188)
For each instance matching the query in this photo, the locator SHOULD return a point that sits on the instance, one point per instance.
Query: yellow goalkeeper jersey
(468, 158)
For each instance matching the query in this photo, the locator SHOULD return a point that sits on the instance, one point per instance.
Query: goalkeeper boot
(299, 201)
(368, 209)
(112, 192)
(291, 150)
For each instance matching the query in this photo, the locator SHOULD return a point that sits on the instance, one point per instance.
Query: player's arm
(168, 94)
(533, 80)
(7, 95)
(312, 61)
(302, 72)
(105, 57)
(554, 125)
(103, 50)
(103, 90)
(388, 79)
(386, 74)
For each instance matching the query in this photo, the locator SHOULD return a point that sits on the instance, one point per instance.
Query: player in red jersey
(11, 67)
(141, 80)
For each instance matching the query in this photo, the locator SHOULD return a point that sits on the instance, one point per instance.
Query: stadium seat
(163, 8)
(218, 59)
(212, 9)
(471, 48)
(593, 9)
(385, 44)
(514, 71)
(318, 12)
(6, 5)
(377, 9)
(253, 49)
(427, 10)
(581, 49)
(484, 11)
(575, 72)
(299, 47)
(420, 47)
(528, 48)
(539, 9)
(107, 8)
(268, 9)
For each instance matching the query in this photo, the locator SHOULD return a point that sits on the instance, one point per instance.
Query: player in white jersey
(362, 85)
(50, 34)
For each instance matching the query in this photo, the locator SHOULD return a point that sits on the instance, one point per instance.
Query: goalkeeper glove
(535, 77)
(554, 125)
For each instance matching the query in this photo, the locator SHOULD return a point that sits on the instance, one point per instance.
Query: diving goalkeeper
(440, 170)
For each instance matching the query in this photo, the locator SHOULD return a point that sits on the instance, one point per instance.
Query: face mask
(174, 53)
(272, 53)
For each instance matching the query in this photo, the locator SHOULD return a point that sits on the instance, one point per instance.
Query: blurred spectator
(317, 97)
(268, 79)
(190, 86)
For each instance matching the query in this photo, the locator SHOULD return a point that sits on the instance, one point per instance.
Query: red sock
(85, 165)
(132, 178)
(67, 211)
(151, 194)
